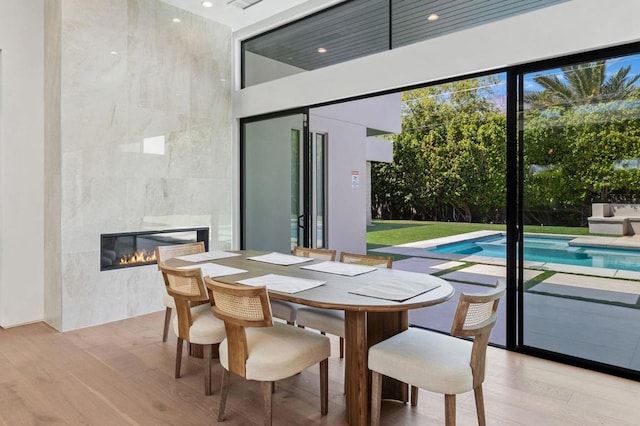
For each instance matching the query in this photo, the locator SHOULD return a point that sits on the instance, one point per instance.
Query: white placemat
(214, 270)
(203, 257)
(397, 291)
(339, 268)
(282, 283)
(280, 259)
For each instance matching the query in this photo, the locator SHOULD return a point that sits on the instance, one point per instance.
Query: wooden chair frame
(475, 317)
(184, 301)
(164, 253)
(367, 259)
(323, 254)
(291, 308)
(238, 353)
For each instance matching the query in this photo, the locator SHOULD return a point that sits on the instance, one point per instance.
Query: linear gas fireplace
(128, 249)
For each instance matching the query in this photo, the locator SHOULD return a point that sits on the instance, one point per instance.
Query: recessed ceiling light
(433, 17)
(114, 52)
(322, 50)
(207, 4)
(176, 20)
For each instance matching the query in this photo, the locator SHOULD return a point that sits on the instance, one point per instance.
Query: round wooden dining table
(368, 319)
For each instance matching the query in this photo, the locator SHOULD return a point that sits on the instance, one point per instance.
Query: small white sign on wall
(355, 179)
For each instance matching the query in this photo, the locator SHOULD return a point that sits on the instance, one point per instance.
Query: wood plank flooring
(122, 374)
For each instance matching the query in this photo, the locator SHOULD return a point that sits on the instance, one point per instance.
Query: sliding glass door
(580, 140)
(283, 183)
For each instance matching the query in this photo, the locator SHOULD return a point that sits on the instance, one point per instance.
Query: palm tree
(583, 84)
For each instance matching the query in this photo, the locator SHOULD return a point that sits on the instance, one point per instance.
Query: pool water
(548, 249)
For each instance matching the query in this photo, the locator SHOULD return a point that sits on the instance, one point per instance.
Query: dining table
(375, 302)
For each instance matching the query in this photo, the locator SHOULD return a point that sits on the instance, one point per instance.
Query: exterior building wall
(349, 154)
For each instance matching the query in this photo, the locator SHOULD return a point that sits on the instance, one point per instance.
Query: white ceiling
(238, 18)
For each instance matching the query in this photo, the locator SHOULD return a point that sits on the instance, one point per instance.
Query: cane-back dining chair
(164, 253)
(332, 321)
(194, 325)
(287, 310)
(255, 346)
(437, 362)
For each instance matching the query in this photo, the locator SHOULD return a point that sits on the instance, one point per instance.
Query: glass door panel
(319, 195)
(273, 201)
(580, 151)
(283, 186)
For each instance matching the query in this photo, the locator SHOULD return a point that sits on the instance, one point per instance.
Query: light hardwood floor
(122, 374)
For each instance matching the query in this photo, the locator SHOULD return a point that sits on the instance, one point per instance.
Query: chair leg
(267, 391)
(224, 389)
(167, 321)
(450, 410)
(178, 357)
(342, 347)
(207, 370)
(324, 386)
(376, 397)
(480, 405)
(414, 396)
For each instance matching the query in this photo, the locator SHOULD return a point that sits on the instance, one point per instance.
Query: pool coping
(416, 249)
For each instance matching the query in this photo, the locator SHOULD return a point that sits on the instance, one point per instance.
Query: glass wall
(449, 174)
(581, 151)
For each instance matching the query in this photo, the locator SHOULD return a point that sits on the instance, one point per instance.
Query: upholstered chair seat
(328, 320)
(278, 352)
(284, 310)
(426, 360)
(205, 327)
(169, 303)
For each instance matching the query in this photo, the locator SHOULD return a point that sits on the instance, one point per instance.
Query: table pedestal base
(362, 330)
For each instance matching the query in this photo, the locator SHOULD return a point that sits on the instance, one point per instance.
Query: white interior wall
(571, 27)
(21, 161)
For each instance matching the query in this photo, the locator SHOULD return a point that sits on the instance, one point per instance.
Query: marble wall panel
(168, 80)
(52, 164)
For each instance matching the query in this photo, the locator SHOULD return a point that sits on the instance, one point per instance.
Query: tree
(583, 84)
(449, 160)
(580, 131)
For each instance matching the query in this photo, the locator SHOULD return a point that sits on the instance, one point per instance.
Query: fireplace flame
(138, 257)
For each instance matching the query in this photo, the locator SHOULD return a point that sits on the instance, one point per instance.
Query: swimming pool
(548, 249)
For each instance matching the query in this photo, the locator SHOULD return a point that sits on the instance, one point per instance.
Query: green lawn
(392, 232)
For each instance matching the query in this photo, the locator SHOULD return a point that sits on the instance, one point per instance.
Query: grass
(393, 232)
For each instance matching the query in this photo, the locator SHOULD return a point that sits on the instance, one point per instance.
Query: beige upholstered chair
(196, 325)
(332, 321)
(164, 253)
(287, 310)
(437, 362)
(258, 349)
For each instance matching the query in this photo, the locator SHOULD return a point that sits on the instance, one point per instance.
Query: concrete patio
(590, 313)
